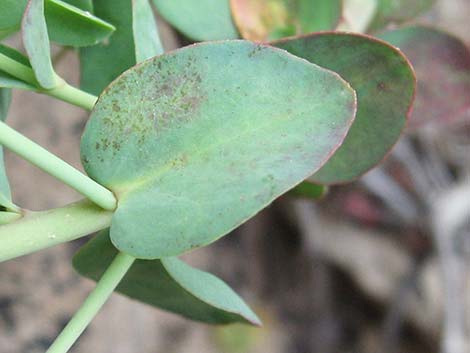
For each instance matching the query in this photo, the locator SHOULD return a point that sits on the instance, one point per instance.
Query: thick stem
(39, 230)
(56, 167)
(103, 290)
(72, 95)
(17, 70)
(63, 91)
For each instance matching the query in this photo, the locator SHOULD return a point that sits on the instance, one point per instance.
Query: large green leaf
(442, 64)
(69, 25)
(398, 11)
(196, 141)
(168, 284)
(384, 83)
(200, 20)
(36, 42)
(135, 39)
(262, 20)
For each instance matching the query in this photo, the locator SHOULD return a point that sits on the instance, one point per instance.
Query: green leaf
(168, 284)
(136, 28)
(5, 99)
(36, 42)
(11, 12)
(69, 25)
(309, 190)
(384, 83)
(199, 20)
(86, 5)
(196, 141)
(102, 63)
(442, 64)
(398, 11)
(5, 194)
(146, 38)
(262, 20)
(66, 24)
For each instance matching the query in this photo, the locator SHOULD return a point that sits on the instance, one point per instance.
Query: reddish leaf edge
(410, 106)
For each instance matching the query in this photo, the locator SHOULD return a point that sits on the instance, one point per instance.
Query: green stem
(103, 290)
(8, 217)
(63, 91)
(72, 95)
(56, 167)
(14, 68)
(39, 230)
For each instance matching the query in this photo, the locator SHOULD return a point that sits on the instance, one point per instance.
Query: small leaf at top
(196, 141)
(442, 64)
(385, 84)
(169, 284)
(68, 22)
(70, 25)
(199, 20)
(263, 20)
(36, 42)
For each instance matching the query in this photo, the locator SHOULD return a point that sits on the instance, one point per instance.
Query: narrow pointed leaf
(398, 11)
(146, 38)
(168, 284)
(196, 141)
(384, 82)
(199, 20)
(442, 64)
(69, 25)
(86, 5)
(36, 42)
(66, 24)
(262, 20)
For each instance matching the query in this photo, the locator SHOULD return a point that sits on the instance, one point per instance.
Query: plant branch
(39, 230)
(103, 290)
(56, 167)
(63, 91)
